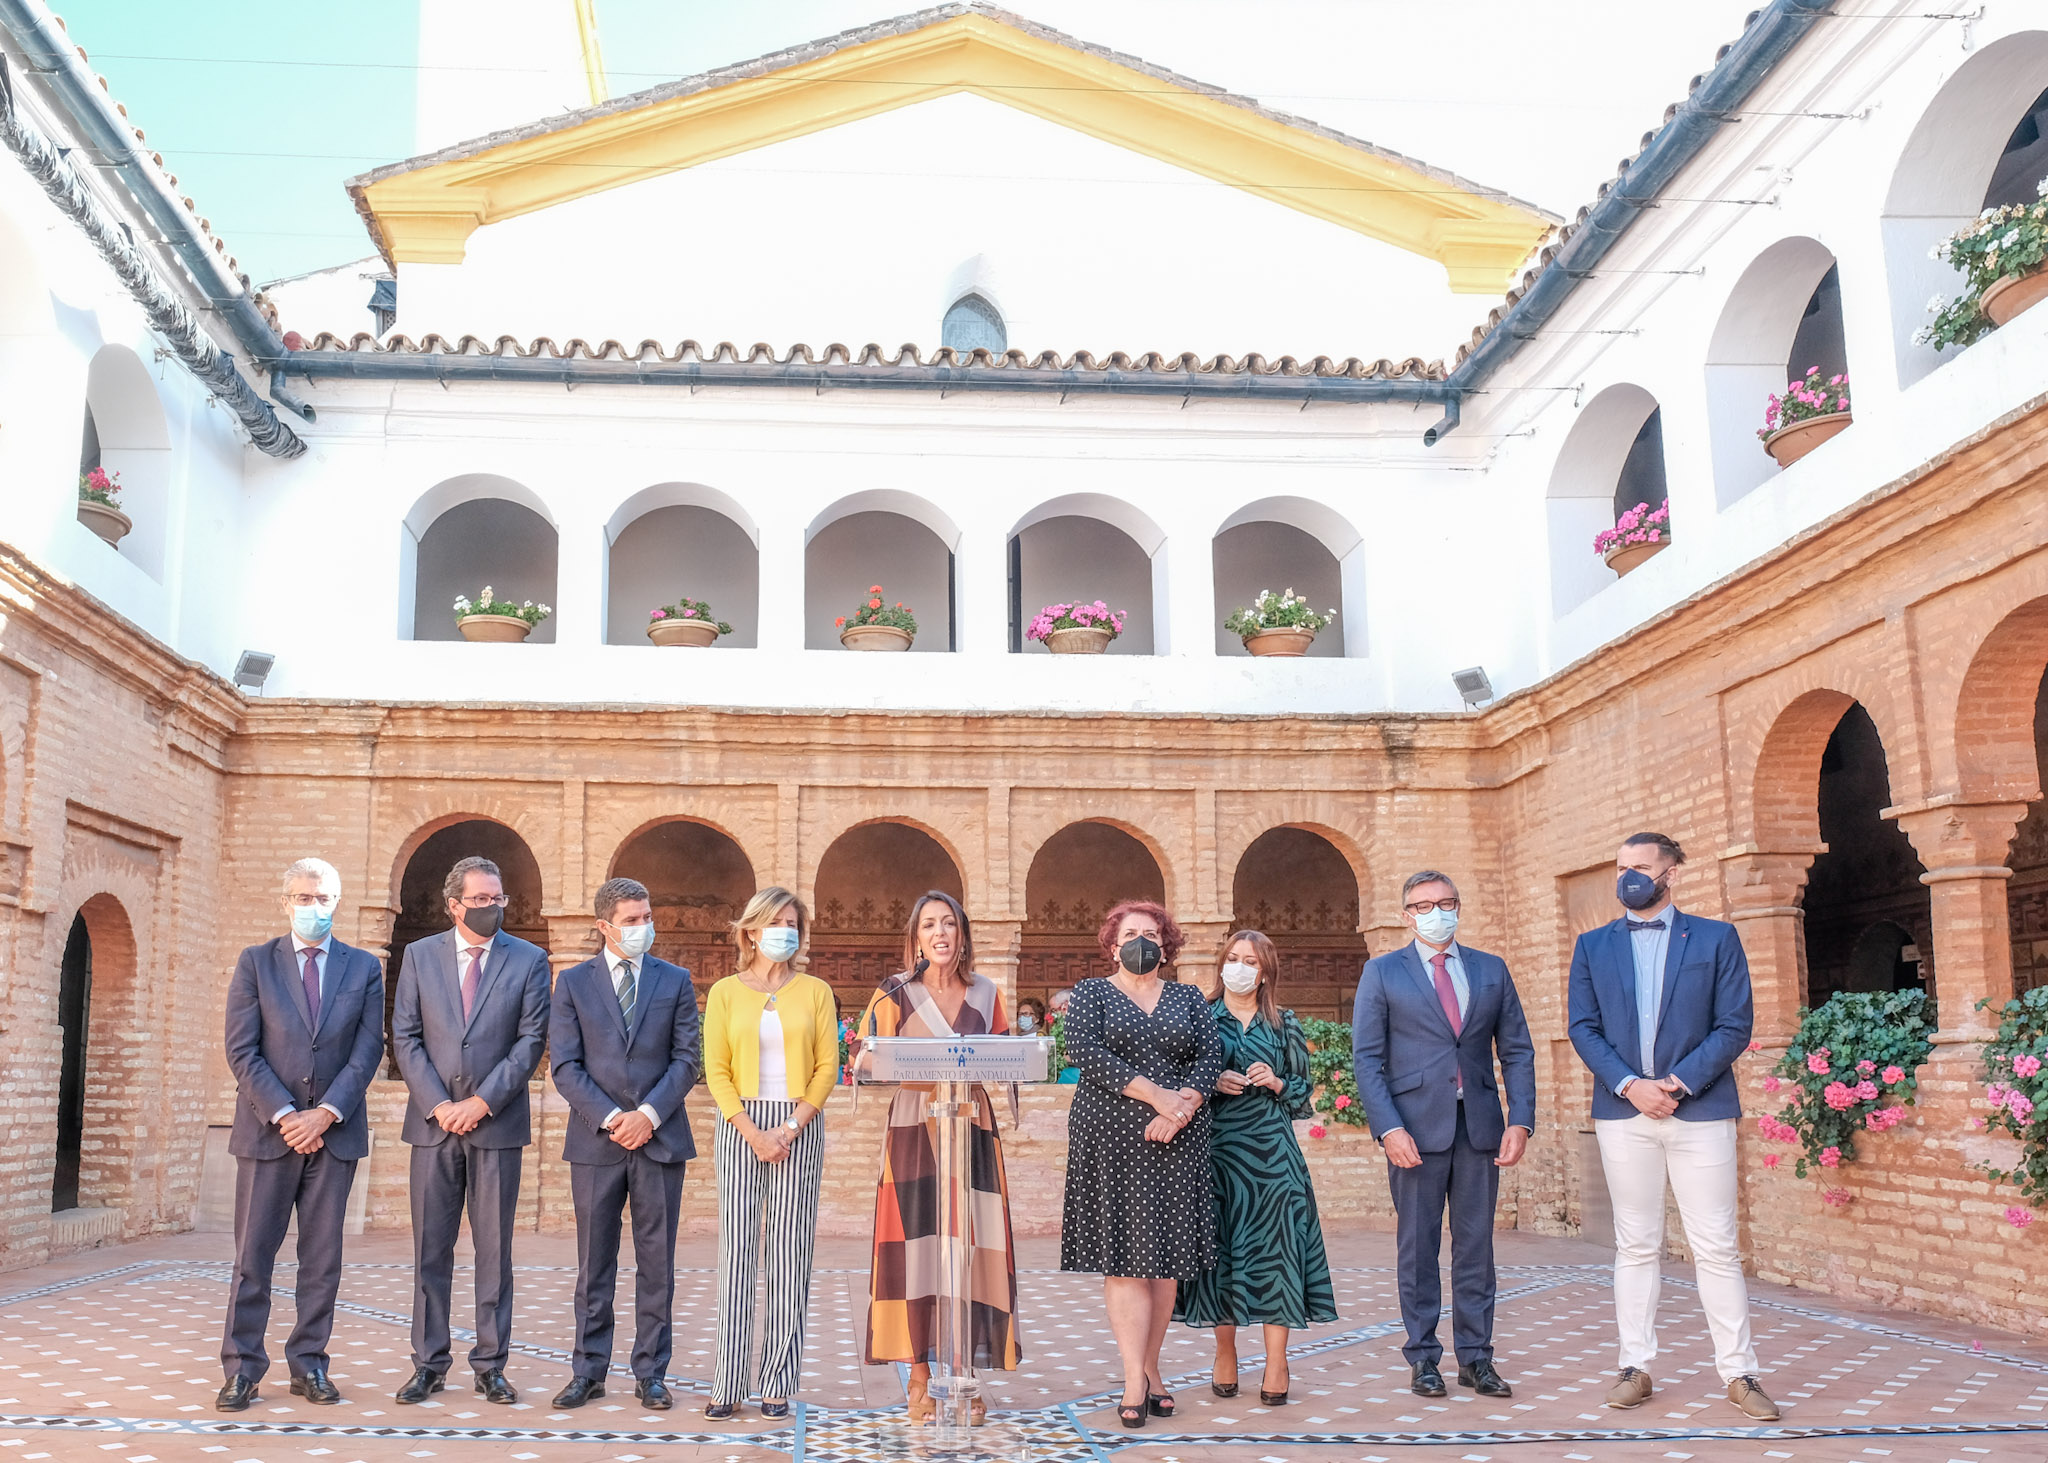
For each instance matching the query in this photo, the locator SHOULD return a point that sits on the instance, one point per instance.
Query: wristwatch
(793, 1125)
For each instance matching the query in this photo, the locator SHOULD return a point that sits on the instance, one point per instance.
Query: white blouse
(774, 1060)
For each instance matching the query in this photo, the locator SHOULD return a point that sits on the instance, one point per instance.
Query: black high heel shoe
(1159, 1402)
(1131, 1414)
(1272, 1399)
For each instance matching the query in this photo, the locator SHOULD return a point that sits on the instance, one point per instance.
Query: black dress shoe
(1426, 1380)
(494, 1388)
(315, 1387)
(1483, 1379)
(423, 1383)
(237, 1395)
(579, 1391)
(653, 1395)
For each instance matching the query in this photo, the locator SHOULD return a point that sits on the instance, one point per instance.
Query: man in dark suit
(624, 1040)
(1660, 1010)
(468, 1024)
(305, 1031)
(1425, 1027)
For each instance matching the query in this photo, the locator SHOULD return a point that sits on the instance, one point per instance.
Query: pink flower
(1866, 1091)
(1817, 1062)
(2017, 1217)
(1831, 1157)
(1772, 1084)
(1317, 1130)
(1836, 1197)
(689, 614)
(1893, 1076)
(1995, 1094)
(1772, 1160)
(2026, 1066)
(2020, 1106)
(1756, 1046)
(1342, 1102)
(1866, 1066)
(657, 614)
(1839, 1096)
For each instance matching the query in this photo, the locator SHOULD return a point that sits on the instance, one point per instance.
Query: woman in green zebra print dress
(1271, 1270)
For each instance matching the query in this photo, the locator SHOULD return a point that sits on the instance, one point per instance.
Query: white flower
(1939, 250)
(1987, 213)
(2012, 236)
(1924, 335)
(2041, 189)
(1937, 304)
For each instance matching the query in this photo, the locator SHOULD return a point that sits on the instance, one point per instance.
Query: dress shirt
(1650, 948)
(464, 943)
(620, 965)
(299, 949)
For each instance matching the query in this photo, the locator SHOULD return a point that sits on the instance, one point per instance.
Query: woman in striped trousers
(771, 1056)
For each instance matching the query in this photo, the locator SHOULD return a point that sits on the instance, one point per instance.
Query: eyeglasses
(323, 900)
(485, 901)
(1448, 906)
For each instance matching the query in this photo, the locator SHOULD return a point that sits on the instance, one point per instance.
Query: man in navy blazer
(1425, 1028)
(1660, 1009)
(469, 1021)
(305, 1031)
(625, 1043)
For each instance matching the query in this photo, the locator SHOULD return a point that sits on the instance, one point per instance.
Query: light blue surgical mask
(779, 942)
(634, 940)
(311, 922)
(1437, 925)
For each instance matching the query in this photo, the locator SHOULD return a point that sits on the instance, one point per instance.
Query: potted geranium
(99, 505)
(2001, 256)
(686, 622)
(877, 625)
(1637, 535)
(1810, 412)
(1277, 624)
(1077, 629)
(489, 618)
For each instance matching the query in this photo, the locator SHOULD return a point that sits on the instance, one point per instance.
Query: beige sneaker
(1633, 1390)
(1746, 1394)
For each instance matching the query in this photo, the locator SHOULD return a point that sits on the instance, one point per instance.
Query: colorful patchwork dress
(903, 1290)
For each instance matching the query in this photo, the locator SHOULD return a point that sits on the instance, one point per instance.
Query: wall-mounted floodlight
(1473, 685)
(253, 669)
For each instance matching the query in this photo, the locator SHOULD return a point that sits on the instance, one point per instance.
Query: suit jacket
(1703, 1021)
(280, 1060)
(599, 1067)
(492, 1055)
(1408, 1062)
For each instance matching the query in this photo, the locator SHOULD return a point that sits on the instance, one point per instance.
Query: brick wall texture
(139, 793)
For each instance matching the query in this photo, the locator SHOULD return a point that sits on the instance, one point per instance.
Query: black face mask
(483, 923)
(1139, 956)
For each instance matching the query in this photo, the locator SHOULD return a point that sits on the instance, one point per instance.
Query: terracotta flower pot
(1624, 557)
(2008, 296)
(1788, 444)
(1078, 640)
(109, 523)
(874, 637)
(494, 629)
(682, 632)
(1280, 642)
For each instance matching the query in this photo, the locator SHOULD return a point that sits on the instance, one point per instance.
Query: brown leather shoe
(1633, 1390)
(1746, 1394)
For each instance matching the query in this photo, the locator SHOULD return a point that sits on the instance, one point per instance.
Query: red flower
(874, 604)
(840, 623)
(874, 589)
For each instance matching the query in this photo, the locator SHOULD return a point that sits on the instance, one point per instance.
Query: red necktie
(1445, 991)
(473, 979)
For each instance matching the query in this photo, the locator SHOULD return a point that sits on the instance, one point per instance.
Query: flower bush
(688, 609)
(873, 611)
(1640, 525)
(1270, 611)
(1851, 1069)
(1097, 616)
(2004, 243)
(488, 603)
(1805, 400)
(2016, 1085)
(1329, 1068)
(100, 486)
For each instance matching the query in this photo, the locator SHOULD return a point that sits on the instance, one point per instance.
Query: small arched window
(973, 324)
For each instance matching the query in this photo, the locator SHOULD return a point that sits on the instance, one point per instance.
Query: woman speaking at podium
(937, 994)
(1140, 1210)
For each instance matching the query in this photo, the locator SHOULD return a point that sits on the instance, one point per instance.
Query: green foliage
(2016, 1083)
(1852, 1068)
(875, 611)
(1270, 611)
(1329, 1067)
(2004, 243)
(488, 603)
(1058, 1027)
(689, 609)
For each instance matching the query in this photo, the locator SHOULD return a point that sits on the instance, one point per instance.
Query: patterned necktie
(1445, 991)
(472, 979)
(312, 983)
(628, 991)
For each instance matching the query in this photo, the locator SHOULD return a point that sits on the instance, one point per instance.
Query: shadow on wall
(910, 562)
(485, 541)
(1078, 560)
(1277, 556)
(677, 552)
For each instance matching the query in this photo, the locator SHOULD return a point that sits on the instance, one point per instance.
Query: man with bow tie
(1660, 1009)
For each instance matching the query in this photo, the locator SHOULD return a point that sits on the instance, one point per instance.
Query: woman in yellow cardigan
(771, 1056)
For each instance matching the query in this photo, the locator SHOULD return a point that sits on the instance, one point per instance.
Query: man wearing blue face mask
(1427, 1024)
(1660, 1009)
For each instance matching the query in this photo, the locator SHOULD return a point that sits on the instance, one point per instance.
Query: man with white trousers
(1660, 1010)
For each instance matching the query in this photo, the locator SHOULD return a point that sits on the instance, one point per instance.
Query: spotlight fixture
(1473, 685)
(253, 669)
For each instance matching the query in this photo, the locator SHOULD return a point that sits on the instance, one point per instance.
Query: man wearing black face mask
(1660, 1010)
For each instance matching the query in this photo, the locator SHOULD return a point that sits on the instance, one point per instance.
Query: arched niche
(677, 540)
(468, 533)
(1084, 547)
(95, 1159)
(1783, 317)
(867, 881)
(1976, 144)
(1295, 886)
(895, 539)
(1298, 544)
(1075, 877)
(125, 431)
(1614, 452)
(700, 879)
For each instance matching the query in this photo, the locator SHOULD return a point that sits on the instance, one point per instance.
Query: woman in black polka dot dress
(1139, 1208)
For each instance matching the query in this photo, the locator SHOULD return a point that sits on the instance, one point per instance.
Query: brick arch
(1992, 717)
(117, 1085)
(1026, 845)
(1311, 814)
(620, 843)
(1785, 782)
(400, 853)
(807, 879)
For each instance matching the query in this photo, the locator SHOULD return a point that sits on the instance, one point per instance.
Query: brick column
(1197, 963)
(1964, 847)
(1763, 892)
(998, 944)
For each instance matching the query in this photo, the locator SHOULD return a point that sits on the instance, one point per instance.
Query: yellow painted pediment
(424, 210)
